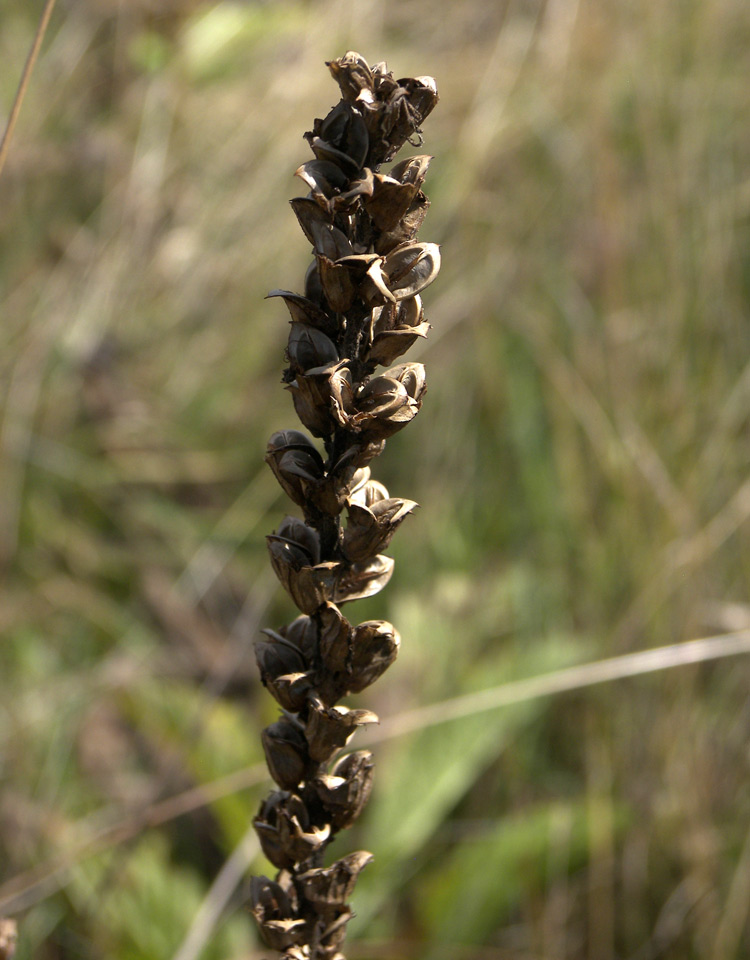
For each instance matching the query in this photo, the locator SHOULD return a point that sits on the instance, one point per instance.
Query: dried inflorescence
(361, 310)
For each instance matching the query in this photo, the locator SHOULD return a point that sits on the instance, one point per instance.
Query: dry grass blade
(24, 81)
(564, 681)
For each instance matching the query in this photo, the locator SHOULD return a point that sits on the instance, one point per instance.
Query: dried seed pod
(292, 690)
(389, 201)
(359, 580)
(324, 179)
(330, 935)
(331, 494)
(284, 440)
(359, 479)
(341, 138)
(320, 396)
(313, 286)
(411, 268)
(329, 241)
(344, 791)
(404, 104)
(277, 656)
(283, 671)
(328, 888)
(286, 834)
(413, 170)
(383, 408)
(309, 586)
(423, 95)
(313, 414)
(273, 907)
(383, 398)
(341, 393)
(394, 193)
(329, 728)
(375, 646)
(370, 529)
(335, 638)
(406, 229)
(369, 493)
(298, 534)
(303, 633)
(337, 282)
(288, 557)
(374, 289)
(309, 347)
(361, 188)
(295, 462)
(353, 75)
(341, 279)
(394, 328)
(412, 376)
(309, 213)
(286, 751)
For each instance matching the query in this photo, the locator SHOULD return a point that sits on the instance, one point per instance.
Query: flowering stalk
(361, 309)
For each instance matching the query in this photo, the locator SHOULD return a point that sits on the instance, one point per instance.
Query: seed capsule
(295, 462)
(309, 347)
(369, 530)
(286, 753)
(344, 791)
(274, 908)
(411, 268)
(353, 75)
(302, 632)
(286, 834)
(309, 586)
(394, 328)
(329, 728)
(335, 637)
(283, 671)
(328, 888)
(364, 579)
(375, 645)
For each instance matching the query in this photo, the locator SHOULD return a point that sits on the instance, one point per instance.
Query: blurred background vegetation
(581, 460)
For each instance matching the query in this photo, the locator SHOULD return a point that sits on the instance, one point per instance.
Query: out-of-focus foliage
(581, 460)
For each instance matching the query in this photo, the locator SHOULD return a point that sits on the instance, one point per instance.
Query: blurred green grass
(581, 461)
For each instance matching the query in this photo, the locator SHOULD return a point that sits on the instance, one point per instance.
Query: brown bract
(360, 310)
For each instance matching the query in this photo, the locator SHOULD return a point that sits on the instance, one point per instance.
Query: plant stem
(24, 81)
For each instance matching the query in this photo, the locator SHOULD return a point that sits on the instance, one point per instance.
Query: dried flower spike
(361, 309)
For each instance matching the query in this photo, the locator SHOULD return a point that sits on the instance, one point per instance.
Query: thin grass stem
(24, 81)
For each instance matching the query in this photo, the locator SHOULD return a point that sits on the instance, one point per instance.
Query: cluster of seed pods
(361, 310)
